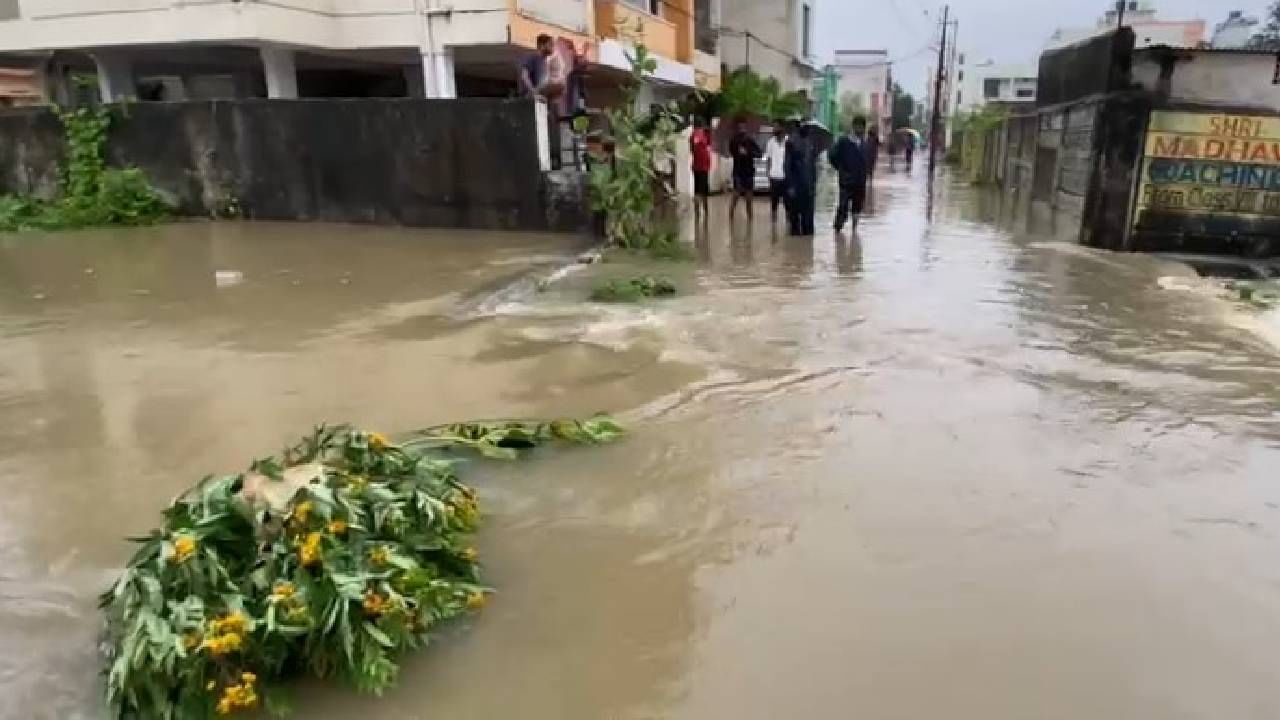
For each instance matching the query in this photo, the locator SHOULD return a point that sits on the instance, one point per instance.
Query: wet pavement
(926, 469)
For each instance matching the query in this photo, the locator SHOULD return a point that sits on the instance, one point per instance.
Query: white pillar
(280, 71)
(115, 77)
(437, 74)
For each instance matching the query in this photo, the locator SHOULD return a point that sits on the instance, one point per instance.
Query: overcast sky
(1004, 30)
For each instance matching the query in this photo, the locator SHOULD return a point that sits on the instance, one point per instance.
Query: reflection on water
(919, 469)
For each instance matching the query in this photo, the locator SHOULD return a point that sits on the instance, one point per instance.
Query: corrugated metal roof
(1206, 50)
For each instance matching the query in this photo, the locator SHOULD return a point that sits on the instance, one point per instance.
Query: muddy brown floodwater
(924, 470)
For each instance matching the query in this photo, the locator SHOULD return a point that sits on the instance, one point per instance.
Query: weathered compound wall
(439, 163)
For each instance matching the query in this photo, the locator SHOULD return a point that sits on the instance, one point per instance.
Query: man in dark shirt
(802, 179)
(744, 150)
(848, 156)
(533, 69)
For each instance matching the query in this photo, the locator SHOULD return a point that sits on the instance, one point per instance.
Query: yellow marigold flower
(379, 556)
(476, 600)
(223, 644)
(234, 622)
(183, 547)
(470, 554)
(378, 441)
(190, 640)
(282, 592)
(309, 552)
(374, 604)
(338, 527)
(249, 678)
(236, 697)
(302, 511)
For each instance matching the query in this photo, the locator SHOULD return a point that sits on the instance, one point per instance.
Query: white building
(177, 49)
(1234, 32)
(775, 38)
(867, 75)
(981, 83)
(1140, 15)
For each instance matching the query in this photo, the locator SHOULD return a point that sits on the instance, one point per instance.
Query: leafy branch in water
(90, 193)
(333, 560)
(625, 188)
(633, 289)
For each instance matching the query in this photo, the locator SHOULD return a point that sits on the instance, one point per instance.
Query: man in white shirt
(775, 153)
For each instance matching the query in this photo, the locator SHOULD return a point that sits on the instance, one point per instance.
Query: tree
(1268, 38)
(904, 107)
(745, 93)
(852, 105)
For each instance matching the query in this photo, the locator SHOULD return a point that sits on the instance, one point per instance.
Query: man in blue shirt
(849, 157)
(533, 69)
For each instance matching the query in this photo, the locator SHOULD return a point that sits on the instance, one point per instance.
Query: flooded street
(922, 470)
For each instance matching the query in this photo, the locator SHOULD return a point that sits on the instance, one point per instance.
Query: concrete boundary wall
(439, 163)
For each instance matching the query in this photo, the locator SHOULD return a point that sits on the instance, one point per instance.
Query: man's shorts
(701, 184)
(743, 182)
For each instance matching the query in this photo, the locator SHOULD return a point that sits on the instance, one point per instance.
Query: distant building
(1234, 32)
(983, 83)
(868, 75)
(775, 38)
(1140, 16)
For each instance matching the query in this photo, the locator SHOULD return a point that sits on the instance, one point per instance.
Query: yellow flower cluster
(282, 591)
(309, 550)
(379, 555)
(301, 512)
(378, 441)
(470, 554)
(240, 696)
(338, 527)
(476, 600)
(183, 547)
(374, 604)
(467, 508)
(226, 634)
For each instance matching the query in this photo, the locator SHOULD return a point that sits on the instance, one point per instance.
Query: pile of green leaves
(91, 193)
(332, 560)
(633, 289)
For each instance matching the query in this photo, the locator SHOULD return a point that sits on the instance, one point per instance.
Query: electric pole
(937, 95)
(1120, 5)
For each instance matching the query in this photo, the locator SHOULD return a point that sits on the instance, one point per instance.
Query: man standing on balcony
(533, 69)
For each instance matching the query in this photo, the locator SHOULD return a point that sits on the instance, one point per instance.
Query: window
(806, 30)
(1026, 93)
(653, 7)
(1133, 6)
(991, 88)
(960, 76)
(961, 58)
(959, 98)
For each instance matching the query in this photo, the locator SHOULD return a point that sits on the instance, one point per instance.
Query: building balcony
(629, 24)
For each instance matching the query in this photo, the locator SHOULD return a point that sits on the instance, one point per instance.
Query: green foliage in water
(332, 560)
(633, 289)
(91, 194)
(626, 189)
